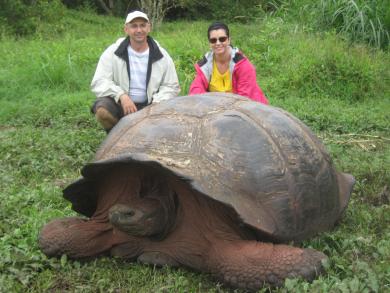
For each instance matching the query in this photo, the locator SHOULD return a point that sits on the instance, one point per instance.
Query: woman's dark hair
(216, 26)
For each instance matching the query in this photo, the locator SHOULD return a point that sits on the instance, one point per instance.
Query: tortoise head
(136, 198)
(151, 212)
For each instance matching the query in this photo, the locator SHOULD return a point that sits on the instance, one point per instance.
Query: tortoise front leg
(79, 238)
(251, 264)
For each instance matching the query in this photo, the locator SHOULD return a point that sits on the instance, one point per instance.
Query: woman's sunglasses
(220, 39)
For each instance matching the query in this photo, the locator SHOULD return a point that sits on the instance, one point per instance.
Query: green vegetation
(24, 17)
(341, 91)
(354, 20)
(366, 21)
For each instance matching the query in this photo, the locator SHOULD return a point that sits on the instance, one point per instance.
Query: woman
(225, 69)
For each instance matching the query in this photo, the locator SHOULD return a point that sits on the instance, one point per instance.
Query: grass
(47, 134)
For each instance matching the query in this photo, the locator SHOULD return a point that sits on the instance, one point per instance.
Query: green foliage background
(355, 20)
(341, 90)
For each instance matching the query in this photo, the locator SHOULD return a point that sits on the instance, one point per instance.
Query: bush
(224, 10)
(355, 20)
(24, 17)
(366, 21)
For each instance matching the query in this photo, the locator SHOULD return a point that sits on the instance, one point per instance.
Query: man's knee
(105, 118)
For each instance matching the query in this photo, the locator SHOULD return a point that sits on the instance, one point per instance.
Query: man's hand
(127, 104)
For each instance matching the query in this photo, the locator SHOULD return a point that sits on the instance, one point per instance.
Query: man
(132, 73)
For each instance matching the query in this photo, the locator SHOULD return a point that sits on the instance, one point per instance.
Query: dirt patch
(61, 285)
(7, 128)
(383, 197)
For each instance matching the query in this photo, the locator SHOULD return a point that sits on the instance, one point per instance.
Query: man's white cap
(136, 14)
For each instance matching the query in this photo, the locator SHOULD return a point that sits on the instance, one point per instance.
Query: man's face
(137, 30)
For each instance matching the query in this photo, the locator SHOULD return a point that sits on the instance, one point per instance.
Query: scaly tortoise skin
(209, 182)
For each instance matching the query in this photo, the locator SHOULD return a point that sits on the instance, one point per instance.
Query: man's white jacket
(112, 75)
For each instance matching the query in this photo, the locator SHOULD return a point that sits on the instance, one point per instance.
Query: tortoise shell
(260, 160)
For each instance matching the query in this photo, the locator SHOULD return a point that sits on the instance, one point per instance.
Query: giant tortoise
(213, 182)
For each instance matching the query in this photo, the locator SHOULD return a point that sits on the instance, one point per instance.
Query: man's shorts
(111, 106)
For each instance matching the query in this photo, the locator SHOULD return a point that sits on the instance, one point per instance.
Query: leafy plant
(25, 17)
(358, 20)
